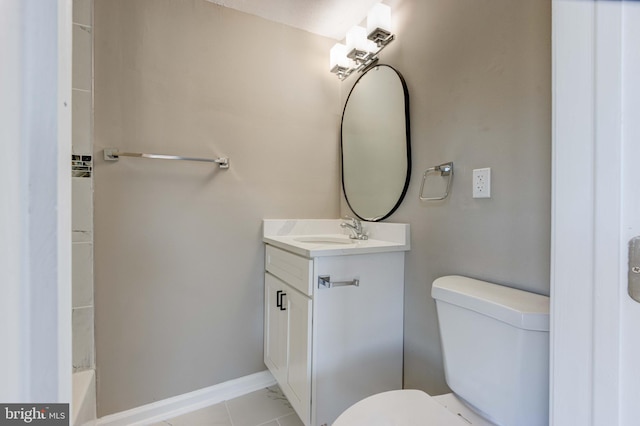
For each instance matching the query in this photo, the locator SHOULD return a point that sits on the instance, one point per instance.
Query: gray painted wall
(479, 78)
(177, 247)
(178, 253)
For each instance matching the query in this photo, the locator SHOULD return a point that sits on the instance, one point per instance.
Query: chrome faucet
(355, 227)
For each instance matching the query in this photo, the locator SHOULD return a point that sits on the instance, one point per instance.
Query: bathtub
(84, 397)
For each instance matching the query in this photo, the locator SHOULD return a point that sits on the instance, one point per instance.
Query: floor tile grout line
(269, 421)
(292, 413)
(277, 419)
(229, 413)
(231, 422)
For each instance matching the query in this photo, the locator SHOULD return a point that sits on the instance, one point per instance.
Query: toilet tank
(495, 343)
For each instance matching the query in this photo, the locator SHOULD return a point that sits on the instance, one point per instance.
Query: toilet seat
(399, 408)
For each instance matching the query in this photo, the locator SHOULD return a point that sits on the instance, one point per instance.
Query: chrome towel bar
(112, 154)
(325, 281)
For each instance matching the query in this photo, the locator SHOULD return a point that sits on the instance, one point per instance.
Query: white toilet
(495, 343)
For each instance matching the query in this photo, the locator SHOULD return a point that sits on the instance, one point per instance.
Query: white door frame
(630, 310)
(64, 229)
(592, 211)
(35, 201)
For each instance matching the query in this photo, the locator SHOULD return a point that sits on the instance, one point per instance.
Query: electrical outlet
(482, 183)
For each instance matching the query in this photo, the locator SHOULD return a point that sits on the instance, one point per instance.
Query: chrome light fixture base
(381, 37)
(341, 72)
(360, 52)
(363, 60)
(359, 56)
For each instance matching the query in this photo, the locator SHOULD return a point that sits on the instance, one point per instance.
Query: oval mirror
(375, 143)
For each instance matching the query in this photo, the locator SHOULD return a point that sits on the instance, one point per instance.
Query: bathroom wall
(479, 78)
(82, 187)
(178, 254)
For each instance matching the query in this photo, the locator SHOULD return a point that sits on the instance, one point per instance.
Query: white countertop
(287, 233)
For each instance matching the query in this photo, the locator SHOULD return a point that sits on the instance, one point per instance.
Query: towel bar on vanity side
(324, 281)
(112, 154)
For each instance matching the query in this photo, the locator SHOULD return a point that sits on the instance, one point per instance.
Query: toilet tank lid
(528, 311)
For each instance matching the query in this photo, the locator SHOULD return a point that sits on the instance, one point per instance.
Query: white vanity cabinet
(329, 347)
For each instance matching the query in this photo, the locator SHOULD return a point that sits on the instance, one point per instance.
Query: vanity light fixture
(361, 50)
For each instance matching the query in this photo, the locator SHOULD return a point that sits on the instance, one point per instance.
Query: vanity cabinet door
(287, 342)
(298, 381)
(275, 328)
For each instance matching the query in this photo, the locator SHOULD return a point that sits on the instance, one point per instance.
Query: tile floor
(266, 407)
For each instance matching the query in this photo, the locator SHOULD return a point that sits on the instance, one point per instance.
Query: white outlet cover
(482, 183)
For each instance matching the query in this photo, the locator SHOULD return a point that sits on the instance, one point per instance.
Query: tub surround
(82, 188)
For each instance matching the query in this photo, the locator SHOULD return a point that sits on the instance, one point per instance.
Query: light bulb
(338, 57)
(357, 39)
(379, 18)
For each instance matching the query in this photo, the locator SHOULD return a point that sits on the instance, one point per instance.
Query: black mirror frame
(408, 140)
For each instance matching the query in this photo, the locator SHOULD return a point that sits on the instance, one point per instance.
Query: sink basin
(312, 238)
(320, 239)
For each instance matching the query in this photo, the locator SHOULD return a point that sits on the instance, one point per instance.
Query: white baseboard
(188, 402)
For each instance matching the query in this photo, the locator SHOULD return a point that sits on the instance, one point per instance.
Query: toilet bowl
(410, 408)
(495, 344)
